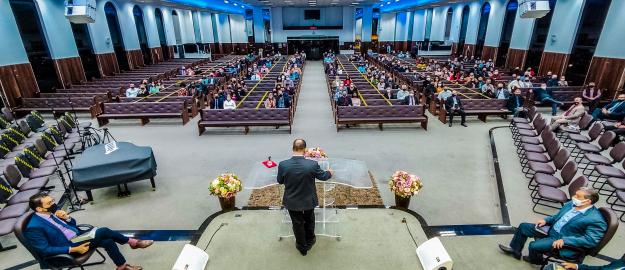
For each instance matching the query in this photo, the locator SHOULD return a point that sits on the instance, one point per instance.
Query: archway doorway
(506, 33)
(30, 28)
(158, 14)
(481, 32)
(143, 38)
(116, 36)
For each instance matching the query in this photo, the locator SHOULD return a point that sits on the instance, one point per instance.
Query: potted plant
(404, 186)
(225, 187)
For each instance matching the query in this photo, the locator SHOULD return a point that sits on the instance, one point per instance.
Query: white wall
(418, 30)
(237, 25)
(206, 27)
(474, 22)
(345, 35)
(386, 31)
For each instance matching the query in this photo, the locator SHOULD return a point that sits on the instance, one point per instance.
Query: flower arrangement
(226, 185)
(404, 184)
(316, 152)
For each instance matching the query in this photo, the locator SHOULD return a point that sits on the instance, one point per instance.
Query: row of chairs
(550, 167)
(30, 160)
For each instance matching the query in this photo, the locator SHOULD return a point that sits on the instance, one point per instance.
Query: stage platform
(371, 239)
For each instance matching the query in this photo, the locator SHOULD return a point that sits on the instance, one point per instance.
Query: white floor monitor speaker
(433, 255)
(191, 258)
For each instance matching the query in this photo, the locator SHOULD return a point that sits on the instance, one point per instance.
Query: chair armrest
(60, 260)
(576, 249)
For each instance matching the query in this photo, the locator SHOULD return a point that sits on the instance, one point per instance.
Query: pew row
(143, 111)
(245, 117)
(352, 115)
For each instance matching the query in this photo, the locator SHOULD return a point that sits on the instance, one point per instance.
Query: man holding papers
(52, 231)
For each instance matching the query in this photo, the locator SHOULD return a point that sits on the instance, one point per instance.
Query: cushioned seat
(528, 132)
(540, 167)
(596, 158)
(22, 196)
(579, 138)
(6, 226)
(41, 172)
(48, 163)
(617, 183)
(524, 126)
(534, 148)
(520, 120)
(609, 171)
(587, 147)
(621, 195)
(35, 183)
(530, 140)
(13, 211)
(552, 193)
(538, 157)
(547, 180)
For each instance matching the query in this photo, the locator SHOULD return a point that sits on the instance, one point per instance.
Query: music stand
(347, 172)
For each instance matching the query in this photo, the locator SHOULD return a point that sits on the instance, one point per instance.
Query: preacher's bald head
(299, 145)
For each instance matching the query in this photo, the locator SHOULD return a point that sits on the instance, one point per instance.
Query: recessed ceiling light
(226, 1)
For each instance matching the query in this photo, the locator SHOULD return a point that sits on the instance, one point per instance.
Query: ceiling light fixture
(226, 1)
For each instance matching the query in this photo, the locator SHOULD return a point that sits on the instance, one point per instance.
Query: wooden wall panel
(607, 73)
(69, 71)
(171, 52)
(489, 52)
(516, 58)
(554, 62)
(454, 48)
(135, 59)
(107, 64)
(18, 81)
(469, 50)
(240, 48)
(157, 55)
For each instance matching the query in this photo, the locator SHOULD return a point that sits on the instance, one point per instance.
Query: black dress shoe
(449, 124)
(509, 251)
(303, 252)
(312, 243)
(463, 124)
(527, 259)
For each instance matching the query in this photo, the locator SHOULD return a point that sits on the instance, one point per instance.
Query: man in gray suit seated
(579, 224)
(298, 175)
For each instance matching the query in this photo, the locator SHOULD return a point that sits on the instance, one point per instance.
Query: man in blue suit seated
(578, 224)
(615, 110)
(50, 231)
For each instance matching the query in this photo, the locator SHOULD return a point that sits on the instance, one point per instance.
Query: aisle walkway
(314, 112)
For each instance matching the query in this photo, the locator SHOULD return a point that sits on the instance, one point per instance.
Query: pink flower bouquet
(226, 185)
(315, 153)
(404, 184)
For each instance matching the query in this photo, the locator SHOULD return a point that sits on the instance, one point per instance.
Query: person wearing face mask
(544, 95)
(51, 230)
(344, 100)
(614, 110)
(515, 104)
(410, 99)
(503, 93)
(453, 105)
(553, 82)
(592, 96)
(570, 117)
(578, 224)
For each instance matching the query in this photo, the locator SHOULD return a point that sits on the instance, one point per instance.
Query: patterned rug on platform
(343, 195)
